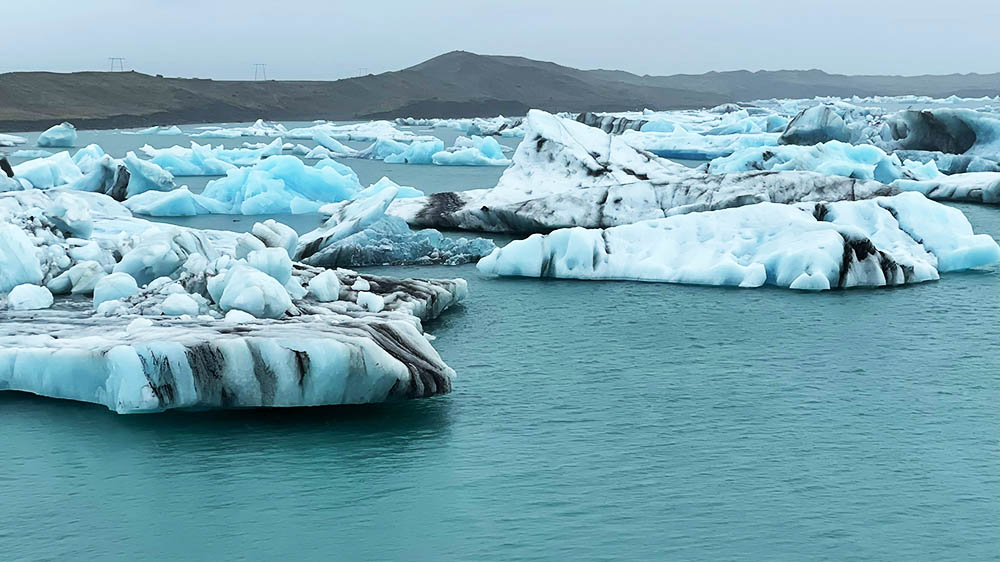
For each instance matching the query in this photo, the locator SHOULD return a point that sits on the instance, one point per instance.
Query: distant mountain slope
(455, 84)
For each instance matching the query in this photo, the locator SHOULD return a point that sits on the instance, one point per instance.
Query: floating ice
(334, 352)
(474, 151)
(385, 183)
(147, 176)
(206, 160)
(417, 152)
(325, 286)
(260, 128)
(11, 140)
(834, 158)
(978, 187)
(61, 136)
(177, 203)
(172, 130)
(566, 174)
(883, 241)
(333, 146)
(18, 262)
(30, 154)
(52, 171)
(359, 233)
(280, 184)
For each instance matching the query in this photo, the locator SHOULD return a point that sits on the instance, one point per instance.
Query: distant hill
(455, 84)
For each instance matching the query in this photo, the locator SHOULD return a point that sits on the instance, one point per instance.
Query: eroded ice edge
(175, 324)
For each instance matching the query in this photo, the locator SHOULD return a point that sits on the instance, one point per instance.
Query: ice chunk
(325, 286)
(147, 176)
(272, 261)
(371, 302)
(178, 304)
(247, 289)
(29, 297)
(385, 183)
(19, 263)
(53, 171)
(280, 184)
(833, 158)
(172, 130)
(359, 233)
(11, 140)
(239, 317)
(883, 241)
(417, 152)
(78, 280)
(30, 154)
(114, 287)
(177, 203)
(276, 235)
(979, 187)
(61, 135)
(333, 146)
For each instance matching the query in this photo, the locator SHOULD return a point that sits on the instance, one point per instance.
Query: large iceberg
(976, 187)
(62, 135)
(359, 233)
(280, 184)
(160, 337)
(259, 128)
(883, 241)
(565, 173)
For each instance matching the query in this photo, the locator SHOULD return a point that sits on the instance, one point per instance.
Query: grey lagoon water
(590, 421)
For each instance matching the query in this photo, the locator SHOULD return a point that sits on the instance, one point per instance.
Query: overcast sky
(312, 39)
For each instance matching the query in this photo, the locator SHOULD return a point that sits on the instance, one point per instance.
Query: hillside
(455, 84)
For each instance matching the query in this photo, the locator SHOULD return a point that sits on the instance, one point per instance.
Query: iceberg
(565, 174)
(11, 140)
(146, 176)
(976, 187)
(260, 128)
(62, 135)
(472, 151)
(878, 242)
(160, 338)
(689, 145)
(417, 152)
(359, 233)
(280, 184)
(30, 154)
(206, 160)
(172, 130)
(332, 145)
(177, 203)
(52, 171)
(834, 158)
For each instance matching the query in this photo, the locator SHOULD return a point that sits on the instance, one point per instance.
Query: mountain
(455, 84)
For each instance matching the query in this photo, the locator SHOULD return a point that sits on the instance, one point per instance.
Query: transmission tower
(363, 71)
(117, 62)
(260, 71)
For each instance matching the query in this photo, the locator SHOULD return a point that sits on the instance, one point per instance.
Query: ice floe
(565, 173)
(178, 321)
(883, 241)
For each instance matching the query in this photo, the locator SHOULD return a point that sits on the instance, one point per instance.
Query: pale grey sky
(311, 39)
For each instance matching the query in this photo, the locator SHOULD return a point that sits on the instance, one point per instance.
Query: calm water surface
(590, 421)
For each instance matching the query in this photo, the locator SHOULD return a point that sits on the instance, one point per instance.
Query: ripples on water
(591, 421)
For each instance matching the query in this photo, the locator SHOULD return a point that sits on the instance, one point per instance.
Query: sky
(321, 40)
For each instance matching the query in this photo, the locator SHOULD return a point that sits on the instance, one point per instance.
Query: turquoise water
(590, 421)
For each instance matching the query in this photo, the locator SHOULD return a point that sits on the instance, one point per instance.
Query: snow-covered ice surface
(883, 241)
(160, 337)
(565, 173)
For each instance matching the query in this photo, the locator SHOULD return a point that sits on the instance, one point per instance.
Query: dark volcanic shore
(456, 84)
